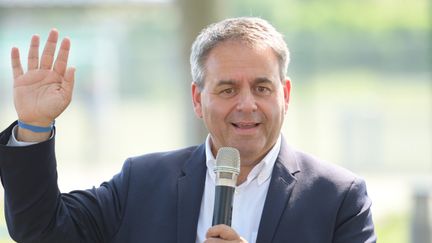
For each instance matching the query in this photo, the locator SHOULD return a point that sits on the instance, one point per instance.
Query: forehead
(234, 60)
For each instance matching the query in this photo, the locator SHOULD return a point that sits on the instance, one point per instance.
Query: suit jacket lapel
(190, 190)
(280, 188)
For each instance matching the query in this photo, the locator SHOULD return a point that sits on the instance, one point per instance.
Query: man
(241, 92)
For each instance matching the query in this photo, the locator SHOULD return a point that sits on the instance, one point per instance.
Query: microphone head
(228, 160)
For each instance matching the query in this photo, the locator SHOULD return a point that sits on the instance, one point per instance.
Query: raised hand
(43, 92)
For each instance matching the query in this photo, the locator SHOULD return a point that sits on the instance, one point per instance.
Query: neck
(246, 166)
(244, 172)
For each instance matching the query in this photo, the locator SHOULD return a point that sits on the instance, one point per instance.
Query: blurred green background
(361, 73)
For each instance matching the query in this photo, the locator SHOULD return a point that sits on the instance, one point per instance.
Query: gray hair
(250, 30)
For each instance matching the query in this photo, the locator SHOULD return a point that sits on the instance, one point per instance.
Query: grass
(393, 229)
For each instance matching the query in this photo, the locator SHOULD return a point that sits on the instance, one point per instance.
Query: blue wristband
(35, 128)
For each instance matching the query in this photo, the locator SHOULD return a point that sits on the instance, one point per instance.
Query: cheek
(218, 115)
(275, 111)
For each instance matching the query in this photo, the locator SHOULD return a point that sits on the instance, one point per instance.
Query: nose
(246, 102)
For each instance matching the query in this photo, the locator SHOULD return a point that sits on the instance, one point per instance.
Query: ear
(287, 92)
(196, 99)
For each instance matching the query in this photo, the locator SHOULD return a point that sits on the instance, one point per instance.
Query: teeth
(241, 125)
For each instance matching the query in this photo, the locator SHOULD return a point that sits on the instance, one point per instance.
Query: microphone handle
(222, 211)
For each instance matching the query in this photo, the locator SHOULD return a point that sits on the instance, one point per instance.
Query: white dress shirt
(249, 197)
(13, 142)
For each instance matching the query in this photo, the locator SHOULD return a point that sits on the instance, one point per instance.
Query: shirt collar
(262, 171)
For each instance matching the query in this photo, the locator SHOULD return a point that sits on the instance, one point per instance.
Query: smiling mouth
(245, 125)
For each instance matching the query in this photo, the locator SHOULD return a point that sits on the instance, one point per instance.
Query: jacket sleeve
(36, 211)
(354, 221)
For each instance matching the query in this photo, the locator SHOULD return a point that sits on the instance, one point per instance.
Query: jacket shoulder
(163, 162)
(317, 167)
(321, 176)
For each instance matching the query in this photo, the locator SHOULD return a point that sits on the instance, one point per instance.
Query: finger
(68, 84)
(33, 54)
(214, 240)
(49, 50)
(62, 57)
(69, 76)
(16, 63)
(222, 231)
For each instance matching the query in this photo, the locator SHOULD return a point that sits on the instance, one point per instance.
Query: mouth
(245, 125)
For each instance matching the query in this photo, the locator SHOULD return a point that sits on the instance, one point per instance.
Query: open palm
(43, 92)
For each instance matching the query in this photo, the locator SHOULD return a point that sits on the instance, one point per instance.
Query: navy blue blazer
(157, 197)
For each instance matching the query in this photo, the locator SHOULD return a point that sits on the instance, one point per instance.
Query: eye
(228, 92)
(262, 90)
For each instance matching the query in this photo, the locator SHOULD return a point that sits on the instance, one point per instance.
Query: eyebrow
(259, 80)
(262, 80)
(226, 82)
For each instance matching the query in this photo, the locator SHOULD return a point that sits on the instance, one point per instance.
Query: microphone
(227, 169)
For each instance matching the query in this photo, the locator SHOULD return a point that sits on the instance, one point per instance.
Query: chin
(249, 151)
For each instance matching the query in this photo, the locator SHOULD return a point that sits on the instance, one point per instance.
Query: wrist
(36, 128)
(32, 133)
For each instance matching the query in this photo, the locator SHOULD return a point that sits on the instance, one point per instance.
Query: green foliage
(390, 36)
(356, 15)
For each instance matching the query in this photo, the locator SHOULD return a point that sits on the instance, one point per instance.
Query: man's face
(243, 101)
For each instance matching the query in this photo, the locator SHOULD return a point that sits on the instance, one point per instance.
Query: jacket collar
(190, 188)
(281, 185)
